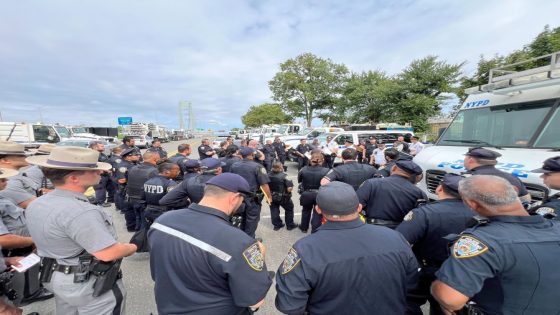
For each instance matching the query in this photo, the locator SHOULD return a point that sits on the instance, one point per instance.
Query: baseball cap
(192, 163)
(550, 165)
(211, 163)
(230, 182)
(482, 153)
(129, 151)
(451, 181)
(246, 151)
(337, 198)
(409, 167)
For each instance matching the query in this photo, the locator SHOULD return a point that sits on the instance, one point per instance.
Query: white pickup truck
(516, 114)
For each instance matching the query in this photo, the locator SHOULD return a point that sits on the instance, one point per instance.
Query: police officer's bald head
(151, 157)
(490, 195)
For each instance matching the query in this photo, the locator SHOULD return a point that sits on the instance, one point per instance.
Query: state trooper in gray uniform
(36, 175)
(21, 190)
(77, 240)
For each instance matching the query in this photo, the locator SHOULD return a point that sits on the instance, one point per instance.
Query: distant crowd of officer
(376, 244)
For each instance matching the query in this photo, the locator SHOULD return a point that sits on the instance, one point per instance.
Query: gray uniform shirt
(12, 219)
(19, 189)
(35, 174)
(63, 223)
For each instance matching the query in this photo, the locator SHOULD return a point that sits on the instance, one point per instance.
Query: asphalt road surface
(136, 270)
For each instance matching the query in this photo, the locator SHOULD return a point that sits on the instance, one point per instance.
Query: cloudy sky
(89, 62)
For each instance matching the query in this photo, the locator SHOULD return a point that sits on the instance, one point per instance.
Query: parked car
(143, 142)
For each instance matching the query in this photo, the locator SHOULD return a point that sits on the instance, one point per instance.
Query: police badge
(254, 257)
(291, 260)
(468, 246)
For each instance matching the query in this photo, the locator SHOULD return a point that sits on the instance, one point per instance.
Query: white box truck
(516, 114)
(32, 135)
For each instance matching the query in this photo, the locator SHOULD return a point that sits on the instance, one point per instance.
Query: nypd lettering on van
(478, 103)
(514, 169)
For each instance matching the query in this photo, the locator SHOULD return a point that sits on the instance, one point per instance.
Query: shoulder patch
(408, 216)
(290, 262)
(467, 246)
(545, 210)
(122, 169)
(254, 257)
(263, 170)
(170, 188)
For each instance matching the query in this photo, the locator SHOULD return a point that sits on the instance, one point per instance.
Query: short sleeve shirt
(210, 268)
(64, 223)
(12, 219)
(19, 189)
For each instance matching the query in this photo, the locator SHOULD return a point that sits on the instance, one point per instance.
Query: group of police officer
(376, 247)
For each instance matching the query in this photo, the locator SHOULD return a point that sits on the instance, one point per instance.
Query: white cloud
(92, 61)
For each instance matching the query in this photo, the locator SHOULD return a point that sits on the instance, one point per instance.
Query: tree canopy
(264, 114)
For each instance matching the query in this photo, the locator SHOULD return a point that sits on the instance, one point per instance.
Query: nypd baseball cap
(409, 167)
(551, 165)
(230, 182)
(337, 198)
(129, 151)
(211, 163)
(482, 153)
(246, 151)
(192, 163)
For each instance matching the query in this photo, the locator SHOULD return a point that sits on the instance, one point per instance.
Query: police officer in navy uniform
(269, 155)
(549, 208)
(156, 147)
(156, 188)
(205, 150)
(387, 200)
(77, 240)
(130, 158)
(232, 156)
(136, 177)
(192, 188)
(280, 148)
(351, 172)
(128, 142)
(255, 174)
(180, 158)
(481, 161)
(425, 228)
(114, 160)
(302, 148)
(200, 263)
(281, 189)
(309, 179)
(391, 156)
(507, 265)
(192, 169)
(370, 146)
(104, 191)
(346, 267)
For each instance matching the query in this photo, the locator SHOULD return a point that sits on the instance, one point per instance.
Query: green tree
(264, 114)
(307, 84)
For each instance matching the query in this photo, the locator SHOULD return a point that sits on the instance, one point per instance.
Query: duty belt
(157, 207)
(387, 223)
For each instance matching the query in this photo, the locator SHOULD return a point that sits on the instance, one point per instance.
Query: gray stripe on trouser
(193, 241)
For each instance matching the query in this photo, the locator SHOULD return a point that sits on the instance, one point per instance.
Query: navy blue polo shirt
(520, 253)
(425, 228)
(214, 269)
(346, 268)
(389, 198)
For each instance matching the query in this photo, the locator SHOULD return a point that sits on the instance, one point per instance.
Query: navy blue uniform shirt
(351, 173)
(192, 188)
(157, 187)
(520, 253)
(202, 150)
(492, 170)
(389, 198)
(161, 151)
(550, 208)
(254, 173)
(229, 162)
(346, 268)
(210, 268)
(425, 228)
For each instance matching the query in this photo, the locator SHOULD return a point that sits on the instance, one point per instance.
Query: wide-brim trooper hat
(5, 173)
(70, 158)
(12, 148)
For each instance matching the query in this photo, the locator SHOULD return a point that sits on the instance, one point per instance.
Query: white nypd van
(516, 114)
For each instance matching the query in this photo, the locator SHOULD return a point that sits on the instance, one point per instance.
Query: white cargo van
(516, 114)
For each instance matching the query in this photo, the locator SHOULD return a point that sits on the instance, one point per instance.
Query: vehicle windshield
(281, 129)
(323, 137)
(304, 132)
(62, 131)
(79, 130)
(511, 125)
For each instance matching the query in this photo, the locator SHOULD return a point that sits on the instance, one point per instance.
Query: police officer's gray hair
(475, 188)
